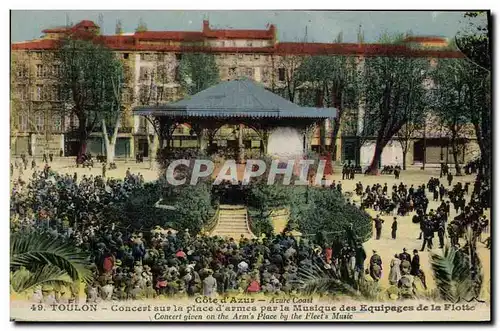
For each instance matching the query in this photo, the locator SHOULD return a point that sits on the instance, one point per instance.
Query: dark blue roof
(236, 98)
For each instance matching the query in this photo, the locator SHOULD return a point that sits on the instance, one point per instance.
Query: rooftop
(195, 41)
(236, 98)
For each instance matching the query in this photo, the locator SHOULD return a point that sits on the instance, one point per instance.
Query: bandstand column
(241, 146)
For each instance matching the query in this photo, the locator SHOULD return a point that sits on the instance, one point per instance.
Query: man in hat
(378, 226)
(405, 255)
(394, 228)
(449, 178)
(415, 263)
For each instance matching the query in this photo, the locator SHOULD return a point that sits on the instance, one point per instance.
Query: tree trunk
(33, 144)
(82, 129)
(405, 151)
(482, 143)
(152, 143)
(110, 143)
(454, 149)
(379, 147)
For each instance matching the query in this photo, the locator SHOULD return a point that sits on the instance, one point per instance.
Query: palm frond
(23, 280)
(452, 275)
(319, 280)
(34, 250)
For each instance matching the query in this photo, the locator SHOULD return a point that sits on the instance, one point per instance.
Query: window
(249, 72)
(256, 56)
(38, 92)
(125, 56)
(143, 73)
(47, 93)
(23, 92)
(56, 122)
(56, 70)
(232, 71)
(39, 122)
(56, 93)
(160, 94)
(39, 70)
(281, 74)
(23, 122)
(142, 124)
(178, 57)
(249, 44)
(22, 71)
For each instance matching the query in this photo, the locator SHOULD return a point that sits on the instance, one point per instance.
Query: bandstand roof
(236, 98)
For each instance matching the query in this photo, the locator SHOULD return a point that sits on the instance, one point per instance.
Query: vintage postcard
(255, 166)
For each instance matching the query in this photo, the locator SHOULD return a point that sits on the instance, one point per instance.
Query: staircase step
(232, 222)
(235, 229)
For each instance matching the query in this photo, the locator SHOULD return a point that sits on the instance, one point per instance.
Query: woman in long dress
(395, 273)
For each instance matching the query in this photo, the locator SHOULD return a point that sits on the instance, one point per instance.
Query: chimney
(272, 29)
(206, 26)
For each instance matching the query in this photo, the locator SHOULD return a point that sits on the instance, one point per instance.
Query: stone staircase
(232, 222)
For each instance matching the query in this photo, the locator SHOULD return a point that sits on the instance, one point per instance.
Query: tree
(39, 259)
(416, 121)
(473, 40)
(197, 72)
(334, 81)
(142, 26)
(392, 86)
(454, 100)
(118, 27)
(87, 73)
(457, 272)
(114, 114)
(290, 75)
(153, 92)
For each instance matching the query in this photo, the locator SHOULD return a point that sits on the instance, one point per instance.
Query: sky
(313, 26)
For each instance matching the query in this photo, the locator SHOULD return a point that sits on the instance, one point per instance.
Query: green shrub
(326, 211)
(260, 222)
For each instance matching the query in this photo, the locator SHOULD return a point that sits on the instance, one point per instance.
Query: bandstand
(284, 128)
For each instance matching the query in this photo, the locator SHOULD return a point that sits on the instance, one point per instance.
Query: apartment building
(40, 126)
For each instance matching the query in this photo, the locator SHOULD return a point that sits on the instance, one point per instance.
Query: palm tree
(40, 259)
(458, 271)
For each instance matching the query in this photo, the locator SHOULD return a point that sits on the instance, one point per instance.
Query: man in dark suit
(415, 263)
(378, 226)
(394, 228)
(405, 256)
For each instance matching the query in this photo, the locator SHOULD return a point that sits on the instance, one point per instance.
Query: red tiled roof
(239, 34)
(41, 44)
(170, 35)
(425, 39)
(358, 49)
(132, 43)
(85, 24)
(55, 30)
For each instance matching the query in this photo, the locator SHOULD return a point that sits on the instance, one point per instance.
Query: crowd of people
(131, 264)
(404, 200)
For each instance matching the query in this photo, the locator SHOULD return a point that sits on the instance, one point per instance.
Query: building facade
(151, 62)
